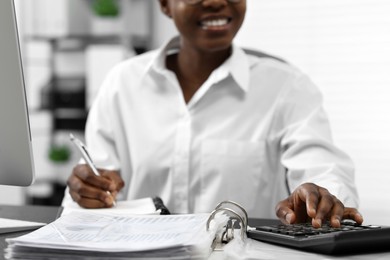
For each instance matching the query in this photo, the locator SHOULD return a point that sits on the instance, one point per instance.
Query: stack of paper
(144, 206)
(84, 235)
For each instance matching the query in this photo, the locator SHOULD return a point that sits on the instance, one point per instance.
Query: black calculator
(350, 238)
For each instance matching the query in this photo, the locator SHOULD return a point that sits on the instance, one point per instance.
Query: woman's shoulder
(270, 62)
(263, 55)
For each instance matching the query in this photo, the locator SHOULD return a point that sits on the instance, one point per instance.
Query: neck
(200, 64)
(193, 67)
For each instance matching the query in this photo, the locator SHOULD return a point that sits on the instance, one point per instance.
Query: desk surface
(262, 250)
(44, 214)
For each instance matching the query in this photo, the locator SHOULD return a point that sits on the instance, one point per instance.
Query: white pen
(84, 152)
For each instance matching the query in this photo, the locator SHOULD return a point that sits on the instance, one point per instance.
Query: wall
(163, 27)
(41, 23)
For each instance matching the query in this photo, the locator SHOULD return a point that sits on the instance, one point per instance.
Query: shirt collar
(158, 63)
(237, 65)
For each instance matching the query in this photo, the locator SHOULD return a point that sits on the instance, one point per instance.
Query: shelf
(69, 119)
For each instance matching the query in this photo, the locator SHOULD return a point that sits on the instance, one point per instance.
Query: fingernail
(108, 200)
(318, 221)
(288, 218)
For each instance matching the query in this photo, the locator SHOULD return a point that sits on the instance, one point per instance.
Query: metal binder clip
(238, 218)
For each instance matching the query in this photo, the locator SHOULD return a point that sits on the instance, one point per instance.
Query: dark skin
(204, 47)
(89, 190)
(202, 50)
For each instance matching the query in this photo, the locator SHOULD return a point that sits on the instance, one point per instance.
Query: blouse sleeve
(100, 127)
(308, 151)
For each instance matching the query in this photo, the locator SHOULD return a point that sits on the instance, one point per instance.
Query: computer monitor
(16, 158)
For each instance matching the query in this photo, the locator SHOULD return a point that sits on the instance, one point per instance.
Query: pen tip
(71, 136)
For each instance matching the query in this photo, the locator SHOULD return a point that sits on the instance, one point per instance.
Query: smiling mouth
(219, 23)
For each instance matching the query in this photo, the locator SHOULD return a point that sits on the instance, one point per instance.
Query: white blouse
(254, 128)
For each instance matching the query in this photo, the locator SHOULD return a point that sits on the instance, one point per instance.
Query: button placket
(181, 163)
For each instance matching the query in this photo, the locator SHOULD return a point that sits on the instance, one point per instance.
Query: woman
(200, 120)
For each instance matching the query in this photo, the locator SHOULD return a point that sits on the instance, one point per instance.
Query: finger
(86, 202)
(91, 192)
(115, 177)
(336, 214)
(352, 213)
(84, 190)
(75, 196)
(310, 195)
(324, 207)
(84, 172)
(284, 211)
(299, 207)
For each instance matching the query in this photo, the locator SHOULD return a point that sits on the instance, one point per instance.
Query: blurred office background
(344, 46)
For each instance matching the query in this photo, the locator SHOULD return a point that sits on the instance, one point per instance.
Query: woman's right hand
(90, 191)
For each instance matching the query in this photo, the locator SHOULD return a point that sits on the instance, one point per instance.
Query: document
(125, 207)
(101, 236)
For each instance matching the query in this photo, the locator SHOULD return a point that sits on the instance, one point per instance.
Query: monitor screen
(16, 159)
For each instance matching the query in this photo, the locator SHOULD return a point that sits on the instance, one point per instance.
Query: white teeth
(214, 23)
